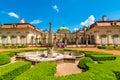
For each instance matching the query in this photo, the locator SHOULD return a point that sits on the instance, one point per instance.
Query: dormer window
(115, 23)
(111, 23)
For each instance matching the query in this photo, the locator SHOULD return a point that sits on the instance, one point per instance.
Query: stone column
(18, 40)
(8, 40)
(54, 42)
(0, 41)
(97, 40)
(86, 40)
(27, 38)
(109, 40)
(76, 39)
(36, 41)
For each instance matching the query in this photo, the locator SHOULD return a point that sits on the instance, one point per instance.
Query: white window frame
(103, 40)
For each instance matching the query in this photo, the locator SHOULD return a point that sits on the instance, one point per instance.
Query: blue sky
(70, 13)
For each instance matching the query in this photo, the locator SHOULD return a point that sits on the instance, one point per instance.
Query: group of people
(60, 45)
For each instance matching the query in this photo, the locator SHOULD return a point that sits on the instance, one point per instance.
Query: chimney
(104, 18)
(22, 20)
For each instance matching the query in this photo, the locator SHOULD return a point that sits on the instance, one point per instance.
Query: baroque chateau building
(104, 32)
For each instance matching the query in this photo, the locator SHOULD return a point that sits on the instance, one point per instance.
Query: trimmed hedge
(83, 61)
(89, 53)
(4, 59)
(103, 57)
(10, 71)
(24, 46)
(40, 72)
(9, 53)
(12, 53)
(109, 47)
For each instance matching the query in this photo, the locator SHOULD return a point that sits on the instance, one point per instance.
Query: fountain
(49, 55)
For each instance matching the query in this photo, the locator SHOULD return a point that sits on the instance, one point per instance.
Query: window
(22, 39)
(13, 40)
(92, 39)
(3, 40)
(32, 40)
(103, 40)
(115, 40)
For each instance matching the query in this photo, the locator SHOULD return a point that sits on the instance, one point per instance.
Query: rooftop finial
(22, 20)
(50, 30)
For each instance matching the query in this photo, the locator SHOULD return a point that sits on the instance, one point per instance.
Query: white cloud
(55, 7)
(12, 14)
(36, 21)
(88, 22)
(75, 29)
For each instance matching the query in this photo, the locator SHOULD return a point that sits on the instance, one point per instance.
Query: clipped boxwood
(10, 71)
(4, 59)
(24, 46)
(39, 72)
(103, 57)
(89, 53)
(83, 61)
(9, 53)
(110, 47)
(102, 47)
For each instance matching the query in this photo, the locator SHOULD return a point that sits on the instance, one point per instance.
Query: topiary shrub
(4, 59)
(83, 61)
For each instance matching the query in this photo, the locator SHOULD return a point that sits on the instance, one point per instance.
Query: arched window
(92, 39)
(22, 39)
(115, 39)
(103, 39)
(4, 40)
(13, 39)
(32, 40)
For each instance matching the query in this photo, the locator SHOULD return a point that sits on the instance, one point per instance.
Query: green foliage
(117, 47)
(109, 47)
(104, 70)
(4, 59)
(12, 53)
(83, 61)
(102, 47)
(9, 53)
(67, 50)
(23, 46)
(10, 71)
(103, 57)
(89, 53)
(40, 72)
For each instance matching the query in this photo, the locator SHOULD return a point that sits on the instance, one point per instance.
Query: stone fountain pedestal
(50, 51)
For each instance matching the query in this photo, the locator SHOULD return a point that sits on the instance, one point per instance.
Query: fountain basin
(59, 57)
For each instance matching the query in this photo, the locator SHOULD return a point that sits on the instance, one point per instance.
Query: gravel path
(67, 69)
